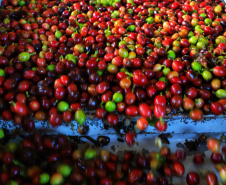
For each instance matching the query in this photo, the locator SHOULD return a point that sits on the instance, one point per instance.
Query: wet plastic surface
(176, 124)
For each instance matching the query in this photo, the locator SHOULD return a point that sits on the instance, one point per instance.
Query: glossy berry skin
(135, 176)
(131, 110)
(142, 123)
(211, 178)
(196, 114)
(213, 145)
(55, 120)
(112, 119)
(28, 125)
(151, 178)
(219, 71)
(144, 110)
(139, 79)
(178, 168)
(216, 157)
(192, 178)
(163, 181)
(20, 108)
(217, 108)
(198, 159)
(101, 113)
(160, 85)
(161, 125)
(160, 100)
(159, 111)
(130, 138)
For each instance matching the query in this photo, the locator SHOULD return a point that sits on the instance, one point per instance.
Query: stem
(34, 53)
(161, 120)
(12, 102)
(95, 54)
(61, 57)
(72, 126)
(27, 94)
(129, 74)
(101, 104)
(148, 52)
(133, 88)
(18, 163)
(79, 24)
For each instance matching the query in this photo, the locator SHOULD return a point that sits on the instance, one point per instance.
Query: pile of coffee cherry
(130, 57)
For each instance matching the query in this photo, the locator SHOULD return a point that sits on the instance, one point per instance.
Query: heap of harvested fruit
(132, 57)
(57, 160)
